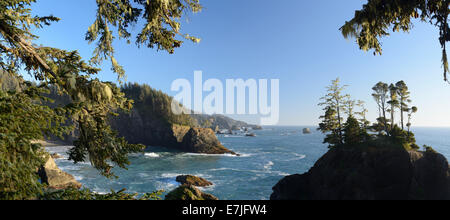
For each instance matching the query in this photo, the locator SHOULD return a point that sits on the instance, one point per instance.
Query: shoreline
(47, 143)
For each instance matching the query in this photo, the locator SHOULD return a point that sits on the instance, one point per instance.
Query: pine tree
(403, 93)
(330, 126)
(411, 111)
(352, 132)
(377, 18)
(335, 105)
(394, 103)
(381, 96)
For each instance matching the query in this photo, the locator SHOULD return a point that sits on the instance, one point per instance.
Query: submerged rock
(370, 174)
(203, 140)
(193, 180)
(55, 178)
(189, 193)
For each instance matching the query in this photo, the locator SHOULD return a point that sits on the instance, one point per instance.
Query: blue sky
(295, 41)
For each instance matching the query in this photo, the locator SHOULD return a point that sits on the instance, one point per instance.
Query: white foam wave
(216, 155)
(152, 155)
(170, 175)
(268, 165)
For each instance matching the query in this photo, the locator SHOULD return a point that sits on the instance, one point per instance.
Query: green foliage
(330, 126)
(22, 120)
(357, 131)
(86, 194)
(403, 93)
(335, 104)
(381, 96)
(402, 137)
(91, 101)
(154, 103)
(352, 132)
(160, 28)
(378, 17)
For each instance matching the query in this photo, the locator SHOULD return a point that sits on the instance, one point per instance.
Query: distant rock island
(307, 131)
(370, 173)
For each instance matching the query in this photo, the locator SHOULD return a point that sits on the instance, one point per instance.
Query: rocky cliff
(370, 174)
(139, 129)
(152, 123)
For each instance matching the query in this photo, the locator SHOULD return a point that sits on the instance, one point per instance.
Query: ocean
(265, 159)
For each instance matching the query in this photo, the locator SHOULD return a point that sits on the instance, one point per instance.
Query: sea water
(265, 159)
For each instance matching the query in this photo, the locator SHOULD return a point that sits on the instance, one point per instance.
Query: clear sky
(295, 41)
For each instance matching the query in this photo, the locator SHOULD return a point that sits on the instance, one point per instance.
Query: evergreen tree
(394, 103)
(330, 126)
(335, 105)
(381, 96)
(378, 17)
(403, 93)
(23, 119)
(353, 134)
(411, 111)
(363, 114)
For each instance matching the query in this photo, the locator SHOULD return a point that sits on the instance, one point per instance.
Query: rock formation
(140, 130)
(203, 140)
(56, 156)
(193, 181)
(307, 131)
(55, 178)
(370, 174)
(189, 193)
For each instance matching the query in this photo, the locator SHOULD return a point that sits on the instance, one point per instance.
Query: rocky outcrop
(257, 127)
(193, 181)
(56, 156)
(55, 178)
(370, 174)
(189, 193)
(137, 129)
(203, 140)
(307, 131)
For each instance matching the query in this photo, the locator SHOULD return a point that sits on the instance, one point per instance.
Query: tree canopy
(357, 129)
(375, 20)
(92, 100)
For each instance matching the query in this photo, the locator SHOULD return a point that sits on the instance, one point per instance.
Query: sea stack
(307, 131)
(370, 173)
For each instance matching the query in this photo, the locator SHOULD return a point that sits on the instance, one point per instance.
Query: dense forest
(154, 103)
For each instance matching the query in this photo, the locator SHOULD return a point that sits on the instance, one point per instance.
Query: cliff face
(138, 129)
(203, 140)
(370, 174)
